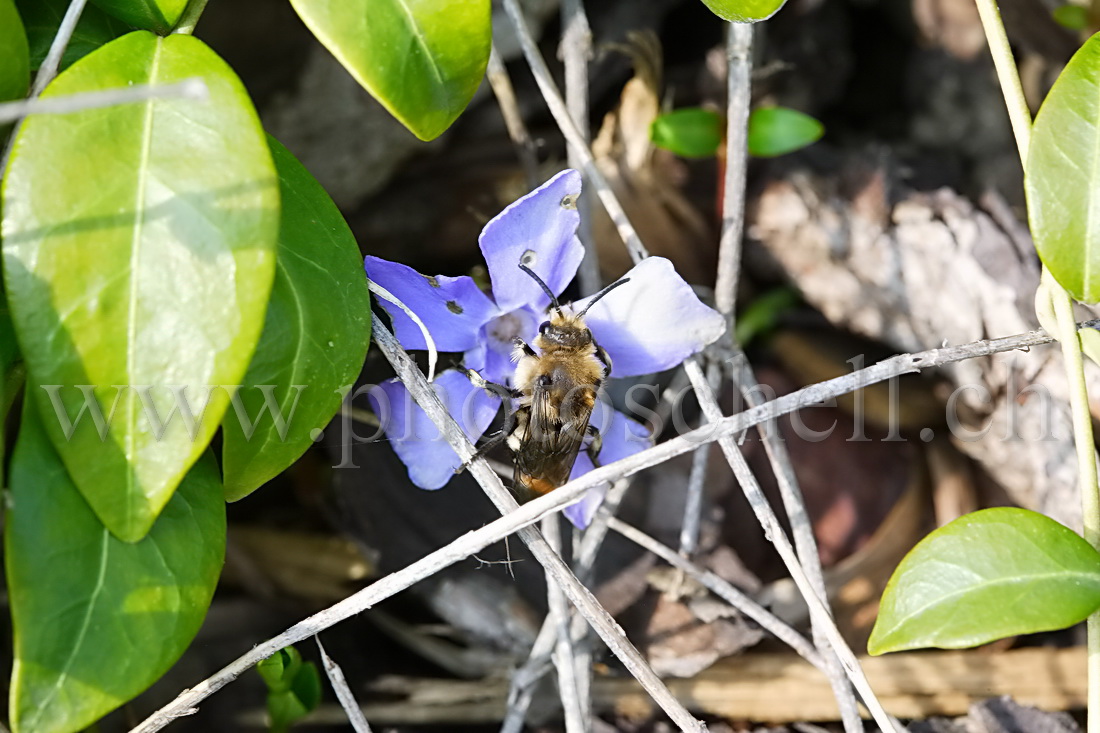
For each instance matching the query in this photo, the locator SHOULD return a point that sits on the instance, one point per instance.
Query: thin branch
(531, 512)
(563, 657)
(343, 693)
(573, 136)
(724, 590)
(576, 50)
(501, 83)
(739, 86)
(693, 505)
(194, 88)
(460, 549)
(579, 596)
(773, 530)
(521, 688)
(47, 70)
(804, 541)
(433, 351)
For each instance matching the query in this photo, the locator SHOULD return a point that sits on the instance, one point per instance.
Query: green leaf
(151, 15)
(690, 132)
(43, 17)
(98, 620)
(985, 576)
(11, 367)
(778, 130)
(422, 59)
(1062, 176)
(15, 70)
(762, 315)
(139, 251)
(294, 687)
(1073, 17)
(744, 11)
(12, 374)
(314, 339)
(279, 669)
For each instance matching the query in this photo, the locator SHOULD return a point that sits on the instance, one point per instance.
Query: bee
(556, 381)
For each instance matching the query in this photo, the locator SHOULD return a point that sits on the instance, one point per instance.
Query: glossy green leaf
(744, 11)
(985, 576)
(98, 620)
(1073, 17)
(139, 252)
(43, 17)
(15, 70)
(151, 15)
(690, 132)
(422, 59)
(778, 130)
(314, 340)
(1062, 176)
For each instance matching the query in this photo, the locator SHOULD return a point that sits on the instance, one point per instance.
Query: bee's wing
(548, 448)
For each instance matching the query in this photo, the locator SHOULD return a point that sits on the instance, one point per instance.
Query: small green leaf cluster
(293, 687)
(693, 132)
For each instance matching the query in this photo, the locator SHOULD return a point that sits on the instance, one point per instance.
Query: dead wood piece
(782, 688)
(917, 270)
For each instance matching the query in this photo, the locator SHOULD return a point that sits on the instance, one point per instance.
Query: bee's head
(564, 329)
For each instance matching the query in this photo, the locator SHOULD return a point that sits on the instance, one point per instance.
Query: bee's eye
(544, 327)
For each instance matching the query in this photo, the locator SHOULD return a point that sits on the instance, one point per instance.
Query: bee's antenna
(545, 289)
(602, 293)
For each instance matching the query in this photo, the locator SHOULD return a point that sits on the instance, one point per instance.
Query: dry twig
(531, 512)
(343, 693)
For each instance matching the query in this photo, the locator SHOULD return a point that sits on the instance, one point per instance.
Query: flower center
(503, 330)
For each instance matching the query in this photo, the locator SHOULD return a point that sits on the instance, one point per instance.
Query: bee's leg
(499, 390)
(594, 444)
(493, 441)
(522, 348)
(604, 358)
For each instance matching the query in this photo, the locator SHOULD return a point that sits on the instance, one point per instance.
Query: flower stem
(190, 17)
(1020, 117)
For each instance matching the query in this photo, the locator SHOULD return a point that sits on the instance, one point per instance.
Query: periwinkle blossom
(650, 324)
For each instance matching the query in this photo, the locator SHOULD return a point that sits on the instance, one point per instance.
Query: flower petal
(653, 322)
(429, 458)
(453, 308)
(542, 225)
(581, 512)
(498, 336)
(622, 437)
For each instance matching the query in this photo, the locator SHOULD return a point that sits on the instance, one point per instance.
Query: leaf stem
(1086, 468)
(1020, 117)
(1007, 74)
(190, 17)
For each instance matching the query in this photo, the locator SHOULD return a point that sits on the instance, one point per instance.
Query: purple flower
(648, 325)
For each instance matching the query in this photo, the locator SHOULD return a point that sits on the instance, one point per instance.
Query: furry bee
(555, 393)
